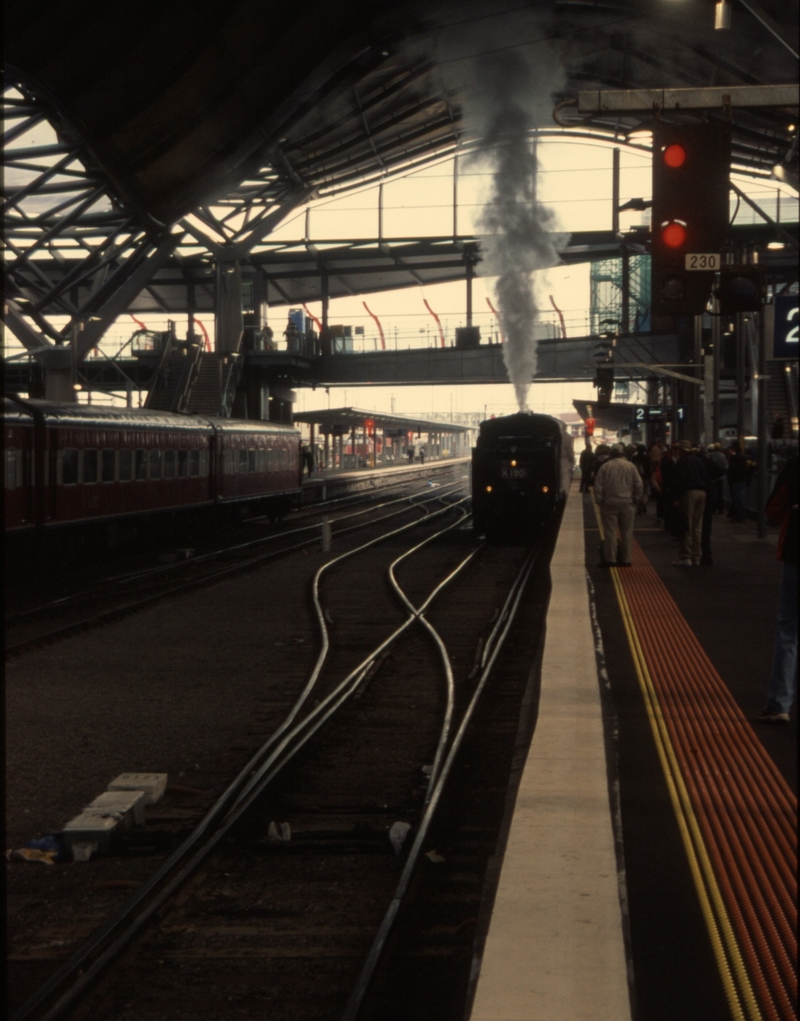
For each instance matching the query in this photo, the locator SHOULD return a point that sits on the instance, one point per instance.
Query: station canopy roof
(184, 133)
(264, 103)
(348, 419)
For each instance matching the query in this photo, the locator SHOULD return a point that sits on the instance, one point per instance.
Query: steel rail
(132, 576)
(499, 636)
(117, 613)
(246, 786)
(446, 664)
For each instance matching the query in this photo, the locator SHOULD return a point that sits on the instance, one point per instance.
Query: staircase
(782, 395)
(173, 379)
(205, 395)
(214, 384)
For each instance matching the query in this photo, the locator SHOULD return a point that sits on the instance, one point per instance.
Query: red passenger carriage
(69, 464)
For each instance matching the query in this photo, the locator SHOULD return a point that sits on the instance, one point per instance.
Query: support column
(716, 337)
(325, 333)
(626, 289)
(191, 308)
(59, 378)
(327, 442)
(741, 371)
(765, 323)
(228, 313)
(695, 403)
(470, 274)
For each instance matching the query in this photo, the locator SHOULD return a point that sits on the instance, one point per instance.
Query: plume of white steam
(515, 227)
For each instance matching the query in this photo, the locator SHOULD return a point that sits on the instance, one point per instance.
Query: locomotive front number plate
(514, 473)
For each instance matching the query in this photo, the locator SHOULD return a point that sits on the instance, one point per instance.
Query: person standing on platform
(688, 494)
(720, 462)
(639, 459)
(586, 464)
(665, 474)
(738, 475)
(617, 490)
(410, 453)
(308, 459)
(715, 472)
(782, 510)
(601, 455)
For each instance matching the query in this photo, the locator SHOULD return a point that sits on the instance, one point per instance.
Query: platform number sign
(784, 341)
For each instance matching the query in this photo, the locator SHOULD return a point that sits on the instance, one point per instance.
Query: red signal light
(674, 235)
(674, 156)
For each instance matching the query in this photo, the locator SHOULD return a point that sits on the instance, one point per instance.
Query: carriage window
(69, 467)
(262, 461)
(108, 464)
(169, 464)
(194, 462)
(125, 465)
(141, 464)
(183, 463)
(155, 464)
(89, 466)
(242, 460)
(251, 460)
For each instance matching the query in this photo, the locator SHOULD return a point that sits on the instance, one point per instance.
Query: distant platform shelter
(346, 438)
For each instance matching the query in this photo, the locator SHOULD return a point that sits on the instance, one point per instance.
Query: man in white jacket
(617, 490)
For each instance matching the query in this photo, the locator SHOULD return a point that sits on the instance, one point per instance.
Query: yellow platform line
(728, 955)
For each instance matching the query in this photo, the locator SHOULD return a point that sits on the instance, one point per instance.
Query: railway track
(286, 767)
(123, 594)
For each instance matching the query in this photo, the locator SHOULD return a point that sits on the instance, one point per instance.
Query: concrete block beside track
(152, 785)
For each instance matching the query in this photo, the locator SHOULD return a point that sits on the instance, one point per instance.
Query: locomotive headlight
(488, 489)
(545, 489)
(513, 464)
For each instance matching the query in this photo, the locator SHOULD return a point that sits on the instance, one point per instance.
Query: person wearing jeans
(782, 510)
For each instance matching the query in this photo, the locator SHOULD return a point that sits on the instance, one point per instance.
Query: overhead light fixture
(791, 127)
(722, 15)
(776, 245)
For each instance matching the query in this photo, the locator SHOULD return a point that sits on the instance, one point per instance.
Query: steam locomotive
(522, 467)
(73, 465)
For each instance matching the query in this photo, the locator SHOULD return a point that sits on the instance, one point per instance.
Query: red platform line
(745, 809)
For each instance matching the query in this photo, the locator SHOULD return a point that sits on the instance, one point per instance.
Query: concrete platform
(555, 949)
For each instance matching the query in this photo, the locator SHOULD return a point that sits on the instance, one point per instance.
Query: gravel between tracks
(197, 715)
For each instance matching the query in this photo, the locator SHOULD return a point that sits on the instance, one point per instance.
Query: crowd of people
(686, 482)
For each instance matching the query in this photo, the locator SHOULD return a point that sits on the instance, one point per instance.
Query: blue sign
(784, 339)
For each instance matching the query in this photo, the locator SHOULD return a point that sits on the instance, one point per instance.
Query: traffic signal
(741, 289)
(604, 381)
(691, 170)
